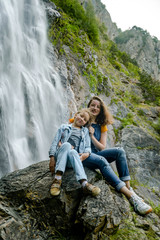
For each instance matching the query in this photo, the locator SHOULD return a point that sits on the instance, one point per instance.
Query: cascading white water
(30, 89)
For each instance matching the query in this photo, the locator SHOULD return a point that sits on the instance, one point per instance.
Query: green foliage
(141, 112)
(131, 232)
(78, 28)
(113, 51)
(131, 97)
(126, 59)
(116, 131)
(97, 81)
(64, 32)
(133, 69)
(86, 20)
(90, 25)
(124, 37)
(156, 209)
(116, 58)
(135, 98)
(128, 120)
(150, 88)
(103, 31)
(73, 8)
(156, 126)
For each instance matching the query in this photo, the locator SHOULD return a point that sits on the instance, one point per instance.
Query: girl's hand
(59, 144)
(52, 164)
(91, 131)
(83, 156)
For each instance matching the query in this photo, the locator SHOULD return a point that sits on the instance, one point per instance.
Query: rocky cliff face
(138, 43)
(141, 147)
(143, 48)
(104, 17)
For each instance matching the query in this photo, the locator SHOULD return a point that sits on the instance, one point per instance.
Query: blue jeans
(97, 162)
(119, 156)
(101, 161)
(68, 157)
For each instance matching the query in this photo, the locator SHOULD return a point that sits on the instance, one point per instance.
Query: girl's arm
(52, 164)
(87, 150)
(55, 142)
(100, 145)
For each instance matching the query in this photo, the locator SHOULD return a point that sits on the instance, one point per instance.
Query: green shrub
(128, 120)
(150, 87)
(156, 126)
(141, 112)
(86, 20)
(124, 37)
(90, 24)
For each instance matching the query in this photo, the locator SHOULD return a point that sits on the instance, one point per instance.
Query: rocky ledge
(28, 211)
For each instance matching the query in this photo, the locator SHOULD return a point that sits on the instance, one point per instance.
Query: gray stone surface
(28, 211)
(143, 154)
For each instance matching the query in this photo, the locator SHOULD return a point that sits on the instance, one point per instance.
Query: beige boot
(91, 189)
(55, 187)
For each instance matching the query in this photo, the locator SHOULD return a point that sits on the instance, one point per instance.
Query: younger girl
(70, 147)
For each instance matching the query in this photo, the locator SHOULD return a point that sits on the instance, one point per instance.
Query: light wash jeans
(68, 157)
(101, 161)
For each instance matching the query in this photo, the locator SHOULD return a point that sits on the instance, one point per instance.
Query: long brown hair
(104, 117)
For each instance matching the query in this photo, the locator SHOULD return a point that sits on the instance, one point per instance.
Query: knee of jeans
(121, 151)
(72, 152)
(104, 162)
(66, 145)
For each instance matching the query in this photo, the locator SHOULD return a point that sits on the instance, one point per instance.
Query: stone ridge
(28, 211)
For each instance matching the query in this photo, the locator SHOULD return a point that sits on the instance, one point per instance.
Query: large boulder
(143, 154)
(28, 211)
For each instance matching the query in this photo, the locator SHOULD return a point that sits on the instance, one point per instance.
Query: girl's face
(81, 119)
(95, 107)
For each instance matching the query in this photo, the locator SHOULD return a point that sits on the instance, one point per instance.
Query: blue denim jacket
(63, 134)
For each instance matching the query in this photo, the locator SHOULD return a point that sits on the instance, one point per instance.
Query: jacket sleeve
(87, 142)
(55, 142)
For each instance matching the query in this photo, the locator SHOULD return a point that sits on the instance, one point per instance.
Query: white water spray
(30, 89)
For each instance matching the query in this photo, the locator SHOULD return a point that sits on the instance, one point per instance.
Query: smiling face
(81, 119)
(95, 107)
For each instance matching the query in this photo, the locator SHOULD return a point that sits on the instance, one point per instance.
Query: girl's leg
(61, 162)
(97, 162)
(139, 206)
(126, 192)
(62, 157)
(75, 162)
(118, 155)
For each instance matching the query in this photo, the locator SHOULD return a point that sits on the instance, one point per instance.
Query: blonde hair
(104, 117)
(89, 113)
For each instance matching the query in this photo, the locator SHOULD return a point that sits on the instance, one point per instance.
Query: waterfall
(30, 89)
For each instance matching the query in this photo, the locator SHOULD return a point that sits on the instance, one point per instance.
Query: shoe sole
(149, 210)
(55, 193)
(96, 193)
(143, 214)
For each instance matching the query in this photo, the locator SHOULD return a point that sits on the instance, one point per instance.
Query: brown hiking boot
(55, 187)
(91, 190)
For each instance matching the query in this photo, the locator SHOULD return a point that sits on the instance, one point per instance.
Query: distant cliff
(138, 43)
(104, 16)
